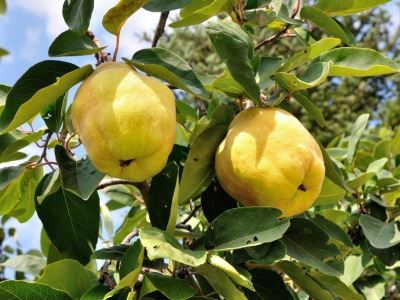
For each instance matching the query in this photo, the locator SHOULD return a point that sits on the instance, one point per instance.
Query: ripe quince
(126, 121)
(268, 158)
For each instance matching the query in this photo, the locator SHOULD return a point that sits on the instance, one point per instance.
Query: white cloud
(32, 41)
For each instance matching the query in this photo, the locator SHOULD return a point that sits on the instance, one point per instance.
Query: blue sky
(29, 27)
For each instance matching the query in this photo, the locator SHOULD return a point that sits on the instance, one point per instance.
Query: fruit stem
(116, 48)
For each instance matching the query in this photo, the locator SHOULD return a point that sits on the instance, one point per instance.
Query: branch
(160, 28)
(196, 208)
(143, 187)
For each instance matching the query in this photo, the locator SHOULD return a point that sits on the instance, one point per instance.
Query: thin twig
(196, 208)
(46, 143)
(281, 33)
(101, 56)
(160, 28)
(116, 48)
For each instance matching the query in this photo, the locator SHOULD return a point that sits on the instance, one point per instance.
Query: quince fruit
(268, 158)
(126, 121)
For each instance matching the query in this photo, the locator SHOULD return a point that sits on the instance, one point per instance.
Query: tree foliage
(183, 236)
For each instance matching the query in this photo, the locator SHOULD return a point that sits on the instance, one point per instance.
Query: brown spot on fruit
(302, 188)
(126, 163)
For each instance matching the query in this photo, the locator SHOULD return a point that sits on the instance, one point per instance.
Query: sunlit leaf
(77, 14)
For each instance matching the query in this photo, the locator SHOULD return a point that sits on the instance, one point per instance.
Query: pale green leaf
(381, 235)
(347, 7)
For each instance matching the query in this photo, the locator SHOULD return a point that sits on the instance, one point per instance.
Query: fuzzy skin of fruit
(126, 121)
(268, 158)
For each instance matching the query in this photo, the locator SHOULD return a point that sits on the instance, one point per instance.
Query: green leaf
(79, 177)
(269, 285)
(314, 75)
(347, 7)
(168, 66)
(334, 231)
(230, 270)
(308, 54)
(113, 253)
(358, 62)
(258, 225)
(95, 293)
(8, 174)
(199, 11)
(51, 185)
(268, 67)
(226, 84)
(24, 195)
(116, 17)
(40, 86)
(356, 133)
(307, 243)
(235, 48)
(77, 14)
(69, 276)
(10, 144)
(312, 109)
(377, 165)
(373, 287)
(266, 254)
(324, 22)
(3, 51)
(4, 89)
(26, 263)
(199, 166)
(330, 193)
(172, 288)
(165, 5)
(3, 7)
(360, 180)
(395, 146)
(381, 235)
(53, 115)
(332, 171)
(335, 286)
(160, 244)
(135, 215)
(70, 43)
(129, 261)
(78, 220)
(353, 268)
(303, 280)
(220, 282)
(19, 290)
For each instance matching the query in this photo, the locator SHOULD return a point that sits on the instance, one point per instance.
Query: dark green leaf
(347, 7)
(268, 67)
(70, 43)
(172, 288)
(308, 244)
(77, 219)
(135, 215)
(79, 177)
(40, 86)
(3, 51)
(113, 253)
(8, 174)
(69, 276)
(235, 48)
(258, 225)
(22, 290)
(381, 235)
(168, 66)
(11, 143)
(334, 231)
(199, 167)
(116, 17)
(330, 193)
(3, 7)
(77, 14)
(96, 293)
(269, 286)
(356, 133)
(53, 115)
(214, 201)
(271, 253)
(388, 256)
(161, 195)
(165, 5)
(358, 62)
(325, 22)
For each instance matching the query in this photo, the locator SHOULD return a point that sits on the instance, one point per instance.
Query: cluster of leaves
(196, 242)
